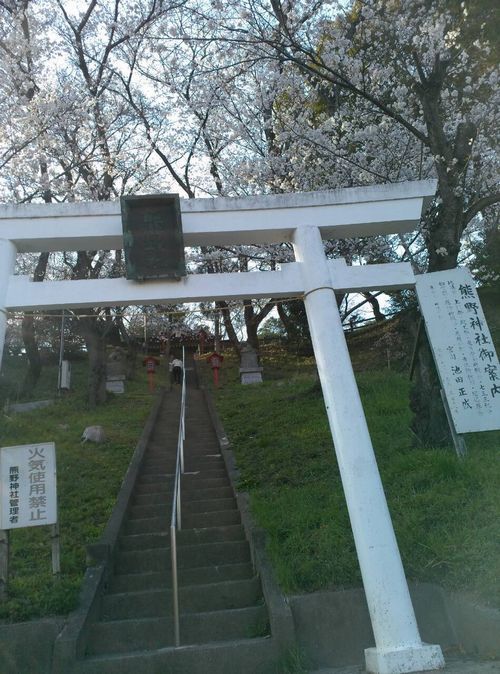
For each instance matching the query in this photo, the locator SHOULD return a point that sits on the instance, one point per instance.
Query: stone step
(164, 435)
(160, 468)
(135, 582)
(161, 539)
(189, 521)
(121, 636)
(210, 505)
(201, 482)
(188, 506)
(196, 435)
(202, 461)
(168, 450)
(200, 464)
(147, 525)
(165, 496)
(210, 519)
(205, 474)
(201, 445)
(206, 458)
(167, 439)
(139, 512)
(167, 446)
(240, 656)
(188, 556)
(193, 479)
(196, 536)
(157, 457)
(166, 427)
(153, 487)
(147, 541)
(155, 479)
(192, 599)
(202, 494)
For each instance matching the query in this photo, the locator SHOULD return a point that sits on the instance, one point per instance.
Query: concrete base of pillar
(421, 658)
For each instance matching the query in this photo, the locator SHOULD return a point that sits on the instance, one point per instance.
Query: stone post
(7, 265)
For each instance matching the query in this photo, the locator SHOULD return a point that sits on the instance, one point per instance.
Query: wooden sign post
(463, 350)
(28, 497)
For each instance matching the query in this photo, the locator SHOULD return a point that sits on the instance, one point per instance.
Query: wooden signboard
(28, 486)
(463, 348)
(28, 498)
(152, 237)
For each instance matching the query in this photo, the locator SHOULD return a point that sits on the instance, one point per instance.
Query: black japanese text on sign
(463, 348)
(152, 237)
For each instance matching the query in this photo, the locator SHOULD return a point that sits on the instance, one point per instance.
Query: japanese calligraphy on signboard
(463, 349)
(152, 237)
(28, 495)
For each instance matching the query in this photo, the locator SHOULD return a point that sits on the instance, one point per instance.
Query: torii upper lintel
(272, 218)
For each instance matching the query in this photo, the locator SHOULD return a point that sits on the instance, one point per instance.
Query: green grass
(445, 511)
(88, 479)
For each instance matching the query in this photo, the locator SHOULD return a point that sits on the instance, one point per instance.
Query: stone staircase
(224, 624)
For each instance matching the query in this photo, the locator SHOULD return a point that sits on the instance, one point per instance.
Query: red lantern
(215, 361)
(151, 364)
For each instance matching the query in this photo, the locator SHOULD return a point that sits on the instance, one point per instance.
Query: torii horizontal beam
(273, 218)
(24, 295)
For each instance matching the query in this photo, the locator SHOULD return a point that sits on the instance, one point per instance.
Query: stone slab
(26, 648)
(251, 378)
(29, 407)
(115, 386)
(334, 629)
(453, 666)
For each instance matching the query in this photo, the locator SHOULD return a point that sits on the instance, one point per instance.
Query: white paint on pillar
(7, 265)
(398, 645)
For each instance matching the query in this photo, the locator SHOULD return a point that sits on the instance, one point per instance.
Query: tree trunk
(34, 362)
(251, 324)
(429, 424)
(374, 303)
(29, 335)
(231, 332)
(252, 337)
(443, 235)
(96, 348)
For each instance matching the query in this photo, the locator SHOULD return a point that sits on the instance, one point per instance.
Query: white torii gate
(304, 220)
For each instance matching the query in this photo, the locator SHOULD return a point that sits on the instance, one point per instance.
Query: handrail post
(181, 448)
(178, 505)
(175, 589)
(175, 521)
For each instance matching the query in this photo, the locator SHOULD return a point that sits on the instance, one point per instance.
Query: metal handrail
(175, 522)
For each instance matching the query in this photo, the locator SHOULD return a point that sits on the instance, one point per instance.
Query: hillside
(445, 511)
(89, 477)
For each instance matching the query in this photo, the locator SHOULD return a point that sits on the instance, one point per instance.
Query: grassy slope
(445, 511)
(89, 477)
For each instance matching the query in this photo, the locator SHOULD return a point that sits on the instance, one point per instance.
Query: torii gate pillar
(398, 644)
(7, 265)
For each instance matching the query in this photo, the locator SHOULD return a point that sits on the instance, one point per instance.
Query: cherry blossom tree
(68, 113)
(259, 96)
(380, 91)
